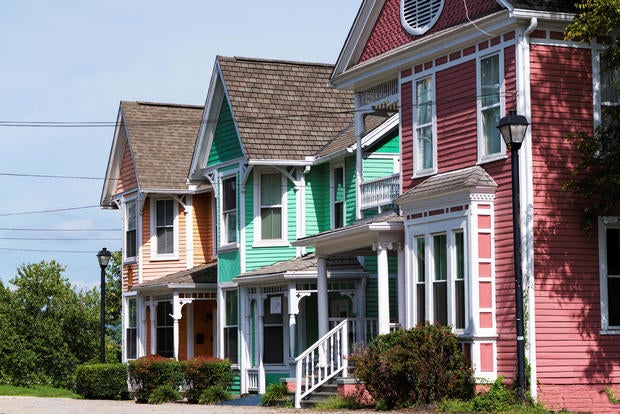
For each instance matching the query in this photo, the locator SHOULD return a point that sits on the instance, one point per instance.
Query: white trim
(280, 162)
(417, 31)
(283, 240)
(482, 157)
(155, 256)
(605, 223)
(189, 231)
(332, 189)
(433, 105)
(223, 230)
(124, 216)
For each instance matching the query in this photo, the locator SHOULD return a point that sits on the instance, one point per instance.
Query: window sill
(491, 158)
(164, 257)
(130, 260)
(613, 331)
(228, 247)
(271, 243)
(424, 173)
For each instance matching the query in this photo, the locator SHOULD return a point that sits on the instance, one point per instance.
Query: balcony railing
(380, 191)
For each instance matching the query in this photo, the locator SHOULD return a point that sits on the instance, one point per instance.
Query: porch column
(293, 310)
(383, 289)
(261, 342)
(189, 338)
(242, 327)
(141, 307)
(322, 294)
(176, 316)
(153, 327)
(402, 290)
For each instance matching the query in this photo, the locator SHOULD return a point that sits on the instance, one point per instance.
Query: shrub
(201, 373)
(164, 393)
(214, 394)
(275, 393)
(102, 381)
(421, 365)
(497, 399)
(148, 373)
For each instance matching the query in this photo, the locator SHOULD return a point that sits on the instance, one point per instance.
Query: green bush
(102, 381)
(275, 393)
(202, 373)
(150, 372)
(214, 394)
(497, 399)
(421, 365)
(163, 394)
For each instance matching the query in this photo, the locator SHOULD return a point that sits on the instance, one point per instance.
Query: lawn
(38, 391)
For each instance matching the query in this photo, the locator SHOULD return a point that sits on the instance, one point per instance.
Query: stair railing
(325, 359)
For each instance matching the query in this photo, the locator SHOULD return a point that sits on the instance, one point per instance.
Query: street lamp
(103, 257)
(513, 128)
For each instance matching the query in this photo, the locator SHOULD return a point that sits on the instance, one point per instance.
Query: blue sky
(73, 61)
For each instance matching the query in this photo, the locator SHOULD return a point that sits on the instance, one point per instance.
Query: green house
(290, 162)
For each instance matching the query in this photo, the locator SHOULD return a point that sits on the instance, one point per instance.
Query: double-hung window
(229, 210)
(231, 324)
(164, 226)
(490, 73)
(271, 206)
(609, 93)
(338, 210)
(164, 328)
(131, 329)
(609, 257)
(131, 239)
(440, 275)
(425, 140)
(273, 330)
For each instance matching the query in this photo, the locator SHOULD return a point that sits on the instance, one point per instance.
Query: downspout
(527, 202)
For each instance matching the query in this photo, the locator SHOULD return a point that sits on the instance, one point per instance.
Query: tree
(597, 174)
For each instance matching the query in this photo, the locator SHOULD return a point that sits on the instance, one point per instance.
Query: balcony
(380, 191)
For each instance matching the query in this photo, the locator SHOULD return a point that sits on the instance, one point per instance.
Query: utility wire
(59, 238)
(46, 250)
(76, 177)
(42, 229)
(47, 211)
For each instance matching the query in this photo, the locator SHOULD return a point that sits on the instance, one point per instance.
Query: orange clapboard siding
(203, 228)
(127, 176)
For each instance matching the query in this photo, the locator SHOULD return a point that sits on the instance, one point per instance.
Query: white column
(243, 327)
(176, 316)
(141, 307)
(322, 296)
(153, 327)
(261, 343)
(189, 338)
(189, 231)
(383, 289)
(402, 290)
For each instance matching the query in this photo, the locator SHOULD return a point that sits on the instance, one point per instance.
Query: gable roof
(283, 110)
(205, 273)
(161, 139)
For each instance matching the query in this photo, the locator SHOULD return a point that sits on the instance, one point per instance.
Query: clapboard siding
(203, 228)
(127, 176)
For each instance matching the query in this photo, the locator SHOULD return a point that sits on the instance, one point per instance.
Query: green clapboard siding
(317, 199)
(235, 386)
(255, 256)
(389, 145)
(378, 168)
(228, 266)
(225, 145)
(350, 190)
(275, 377)
(372, 307)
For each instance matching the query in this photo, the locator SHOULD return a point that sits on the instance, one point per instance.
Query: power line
(59, 238)
(43, 229)
(76, 177)
(46, 250)
(47, 211)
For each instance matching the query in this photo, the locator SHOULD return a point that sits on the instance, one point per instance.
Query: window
(424, 132)
(131, 329)
(338, 197)
(418, 16)
(609, 254)
(273, 329)
(164, 226)
(130, 230)
(271, 212)
(489, 107)
(229, 210)
(165, 340)
(440, 298)
(231, 326)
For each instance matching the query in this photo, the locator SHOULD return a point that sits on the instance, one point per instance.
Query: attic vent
(417, 16)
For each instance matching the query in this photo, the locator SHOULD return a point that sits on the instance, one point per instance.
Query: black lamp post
(103, 257)
(513, 128)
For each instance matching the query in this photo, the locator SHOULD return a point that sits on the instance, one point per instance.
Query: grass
(37, 391)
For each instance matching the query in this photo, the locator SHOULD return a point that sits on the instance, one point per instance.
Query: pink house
(452, 69)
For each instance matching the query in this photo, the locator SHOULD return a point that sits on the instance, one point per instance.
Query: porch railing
(380, 191)
(322, 361)
(252, 379)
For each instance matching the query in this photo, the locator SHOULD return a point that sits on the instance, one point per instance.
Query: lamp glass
(103, 257)
(513, 128)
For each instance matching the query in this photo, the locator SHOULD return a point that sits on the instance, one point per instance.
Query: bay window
(229, 210)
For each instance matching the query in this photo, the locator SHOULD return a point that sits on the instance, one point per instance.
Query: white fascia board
(542, 15)
(115, 160)
(389, 64)
(348, 232)
(378, 133)
(291, 163)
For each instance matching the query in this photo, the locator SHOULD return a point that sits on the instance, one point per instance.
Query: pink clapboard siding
(127, 175)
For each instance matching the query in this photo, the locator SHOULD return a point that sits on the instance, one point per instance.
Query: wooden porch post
(402, 290)
(153, 321)
(176, 316)
(383, 289)
(261, 342)
(322, 296)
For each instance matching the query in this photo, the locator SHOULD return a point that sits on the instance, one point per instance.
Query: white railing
(252, 379)
(322, 361)
(380, 191)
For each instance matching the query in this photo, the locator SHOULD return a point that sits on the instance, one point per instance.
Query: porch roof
(356, 238)
(459, 181)
(199, 276)
(304, 267)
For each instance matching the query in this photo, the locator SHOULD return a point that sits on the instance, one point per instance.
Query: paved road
(28, 405)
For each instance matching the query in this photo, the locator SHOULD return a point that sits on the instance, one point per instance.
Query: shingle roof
(162, 138)
(449, 182)
(308, 264)
(284, 110)
(204, 273)
(567, 6)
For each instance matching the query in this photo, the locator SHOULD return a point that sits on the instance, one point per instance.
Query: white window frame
(167, 327)
(175, 230)
(604, 224)
(332, 195)
(226, 326)
(224, 243)
(127, 203)
(417, 171)
(483, 157)
(449, 228)
(283, 240)
(127, 298)
(419, 30)
(266, 303)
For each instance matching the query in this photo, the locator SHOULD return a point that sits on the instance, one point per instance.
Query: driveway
(28, 405)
